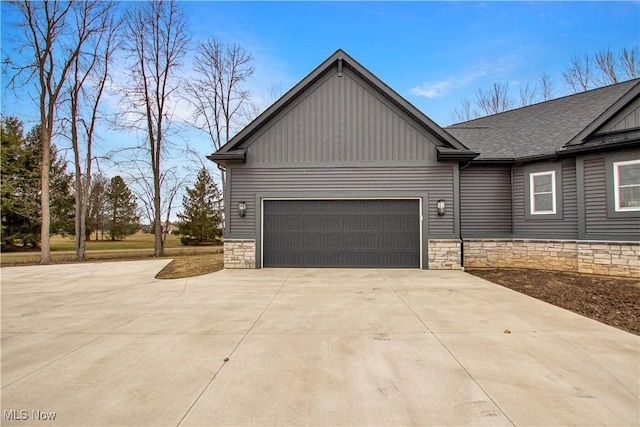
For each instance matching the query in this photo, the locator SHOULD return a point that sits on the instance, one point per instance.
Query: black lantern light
(441, 207)
(242, 208)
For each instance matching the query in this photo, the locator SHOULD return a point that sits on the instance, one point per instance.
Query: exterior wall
(626, 119)
(239, 254)
(597, 221)
(444, 254)
(562, 226)
(247, 183)
(535, 254)
(341, 120)
(342, 138)
(607, 258)
(614, 259)
(485, 201)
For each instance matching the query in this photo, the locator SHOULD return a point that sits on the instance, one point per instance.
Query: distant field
(137, 241)
(138, 246)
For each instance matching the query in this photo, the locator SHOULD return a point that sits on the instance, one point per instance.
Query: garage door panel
(341, 258)
(341, 233)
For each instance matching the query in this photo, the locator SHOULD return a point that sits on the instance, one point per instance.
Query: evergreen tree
(20, 222)
(201, 220)
(97, 205)
(21, 213)
(123, 219)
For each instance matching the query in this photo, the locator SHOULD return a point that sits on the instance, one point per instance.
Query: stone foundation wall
(608, 258)
(239, 254)
(444, 255)
(612, 259)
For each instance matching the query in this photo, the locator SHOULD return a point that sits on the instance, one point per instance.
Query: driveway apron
(107, 344)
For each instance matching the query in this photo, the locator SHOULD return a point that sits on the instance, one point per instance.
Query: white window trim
(616, 187)
(532, 193)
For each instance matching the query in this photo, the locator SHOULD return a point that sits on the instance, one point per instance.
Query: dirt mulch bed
(611, 300)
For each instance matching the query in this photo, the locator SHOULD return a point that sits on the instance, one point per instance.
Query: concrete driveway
(107, 344)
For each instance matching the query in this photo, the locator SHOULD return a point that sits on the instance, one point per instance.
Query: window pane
(630, 197)
(541, 183)
(543, 202)
(629, 174)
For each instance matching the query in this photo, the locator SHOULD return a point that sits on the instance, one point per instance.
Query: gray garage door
(341, 233)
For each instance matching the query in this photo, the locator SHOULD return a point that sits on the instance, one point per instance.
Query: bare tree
(630, 63)
(274, 92)
(464, 113)
(89, 75)
(578, 73)
(170, 183)
(528, 94)
(547, 86)
(221, 103)
(495, 100)
(607, 66)
(46, 26)
(173, 183)
(155, 38)
(603, 68)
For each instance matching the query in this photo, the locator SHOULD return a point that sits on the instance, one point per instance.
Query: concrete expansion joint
(226, 359)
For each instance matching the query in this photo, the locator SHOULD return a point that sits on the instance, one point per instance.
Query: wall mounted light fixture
(242, 208)
(441, 207)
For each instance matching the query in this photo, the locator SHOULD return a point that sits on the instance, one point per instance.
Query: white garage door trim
(420, 216)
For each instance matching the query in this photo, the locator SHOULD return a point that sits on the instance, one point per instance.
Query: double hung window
(626, 185)
(542, 187)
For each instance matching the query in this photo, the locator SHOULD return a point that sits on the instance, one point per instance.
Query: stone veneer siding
(594, 257)
(444, 255)
(239, 254)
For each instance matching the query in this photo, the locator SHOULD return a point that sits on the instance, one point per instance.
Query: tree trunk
(158, 249)
(80, 193)
(83, 218)
(45, 248)
(80, 236)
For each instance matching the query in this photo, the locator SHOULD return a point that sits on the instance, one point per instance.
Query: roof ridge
(636, 80)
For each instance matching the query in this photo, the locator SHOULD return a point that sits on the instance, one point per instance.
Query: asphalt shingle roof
(537, 129)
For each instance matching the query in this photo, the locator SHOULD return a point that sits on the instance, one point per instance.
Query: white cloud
(434, 90)
(480, 70)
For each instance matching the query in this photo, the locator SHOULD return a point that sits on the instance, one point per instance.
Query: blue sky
(432, 53)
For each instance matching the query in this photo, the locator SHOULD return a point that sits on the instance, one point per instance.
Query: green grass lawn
(138, 246)
(137, 241)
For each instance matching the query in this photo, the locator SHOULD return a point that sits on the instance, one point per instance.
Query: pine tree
(122, 208)
(21, 213)
(97, 206)
(201, 220)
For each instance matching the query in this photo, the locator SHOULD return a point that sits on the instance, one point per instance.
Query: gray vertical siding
(331, 182)
(485, 201)
(598, 225)
(343, 120)
(564, 228)
(626, 119)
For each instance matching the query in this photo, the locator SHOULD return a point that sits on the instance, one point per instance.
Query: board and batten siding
(564, 228)
(598, 224)
(341, 120)
(332, 183)
(628, 118)
(485, 201)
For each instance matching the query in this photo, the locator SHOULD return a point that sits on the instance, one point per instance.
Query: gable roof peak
(232, 151)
